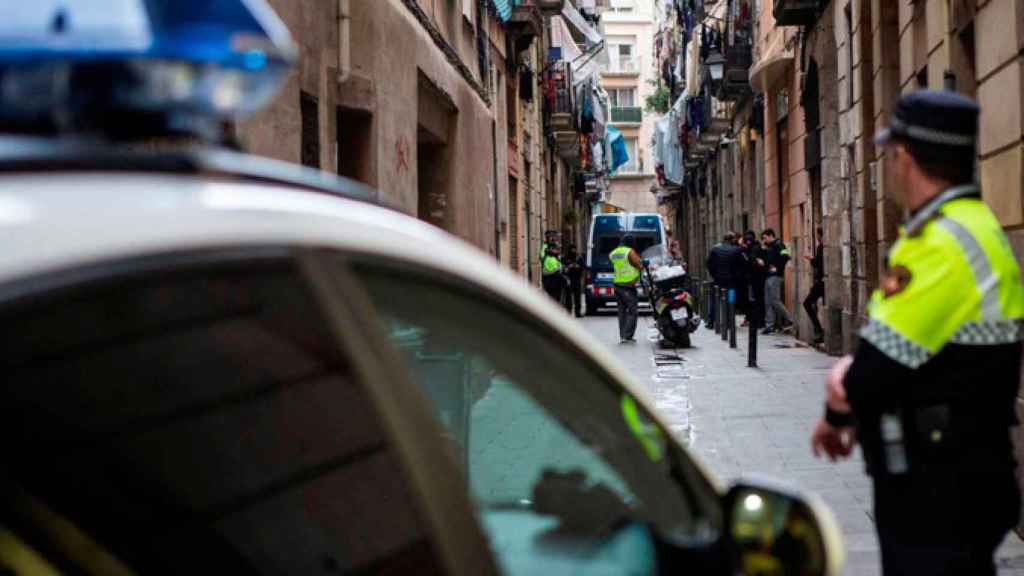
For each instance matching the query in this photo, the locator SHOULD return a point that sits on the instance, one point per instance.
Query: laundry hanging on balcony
(619, 153)
(562, 39)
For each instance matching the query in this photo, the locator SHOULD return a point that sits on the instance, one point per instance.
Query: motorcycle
(672, 305)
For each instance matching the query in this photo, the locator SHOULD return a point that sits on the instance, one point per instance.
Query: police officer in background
(627, 265)
(930, 393)
(552, 278)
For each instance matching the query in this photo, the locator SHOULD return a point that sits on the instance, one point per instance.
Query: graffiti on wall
(402, 153)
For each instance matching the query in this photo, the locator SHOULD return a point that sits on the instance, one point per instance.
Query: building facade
(629, 78)
(442, 107)
(798, 155)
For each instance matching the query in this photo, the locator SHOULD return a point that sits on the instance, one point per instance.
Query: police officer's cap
(931, 117)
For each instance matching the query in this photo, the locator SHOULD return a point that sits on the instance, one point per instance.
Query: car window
(201, 407)
(539, 429)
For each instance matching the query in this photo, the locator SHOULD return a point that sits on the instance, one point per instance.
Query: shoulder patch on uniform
(895, 281)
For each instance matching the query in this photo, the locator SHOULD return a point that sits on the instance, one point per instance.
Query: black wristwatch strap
(838, 419)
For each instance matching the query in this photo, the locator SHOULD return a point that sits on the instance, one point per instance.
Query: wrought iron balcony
(627, 114)
(550, 7)
(796, 12)
(560, 112)
(736, 75)
(624, 66)
(527, 20)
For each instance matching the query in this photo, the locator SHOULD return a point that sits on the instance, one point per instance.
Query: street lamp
(716, 67)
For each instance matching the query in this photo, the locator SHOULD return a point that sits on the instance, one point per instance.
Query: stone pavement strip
(741, 421)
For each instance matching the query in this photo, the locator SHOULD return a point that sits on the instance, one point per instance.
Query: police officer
(930, 393)
(552, 278)
(627, 264)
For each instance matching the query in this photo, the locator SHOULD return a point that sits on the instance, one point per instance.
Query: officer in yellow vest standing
(627, 264)
(552, 278)
(930, 393)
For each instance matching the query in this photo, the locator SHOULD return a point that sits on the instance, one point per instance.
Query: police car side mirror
(771, 529)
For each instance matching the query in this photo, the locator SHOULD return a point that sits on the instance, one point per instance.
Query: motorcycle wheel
(682, 339)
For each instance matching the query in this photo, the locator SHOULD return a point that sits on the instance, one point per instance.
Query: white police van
(606, 230)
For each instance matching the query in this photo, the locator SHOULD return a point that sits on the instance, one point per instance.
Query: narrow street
(746, 422)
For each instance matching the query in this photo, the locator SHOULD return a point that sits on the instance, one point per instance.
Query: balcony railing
(624, 65)
(627, 114)
(796, 12)
(736, 74)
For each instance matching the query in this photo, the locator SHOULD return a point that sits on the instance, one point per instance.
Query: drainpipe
(851, 190)
(344, 41)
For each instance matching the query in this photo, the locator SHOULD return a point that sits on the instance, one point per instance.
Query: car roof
(52, 222)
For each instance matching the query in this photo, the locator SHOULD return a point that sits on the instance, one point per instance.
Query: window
(529, 417)
(310, 113)
(623, 57)
(202, 404)
(622, 97)
(849, 54)
(511, 110)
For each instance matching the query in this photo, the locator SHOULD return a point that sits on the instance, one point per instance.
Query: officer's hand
(836, 443)
(835, 390)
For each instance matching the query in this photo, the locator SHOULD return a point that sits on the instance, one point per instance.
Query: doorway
(782, 159)
(431, 179)
(435, 129)
(355, 146)
(513, 223)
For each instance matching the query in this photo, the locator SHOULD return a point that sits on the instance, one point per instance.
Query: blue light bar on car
(216, 59)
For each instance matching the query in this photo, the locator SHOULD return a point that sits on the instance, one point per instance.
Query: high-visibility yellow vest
(953, 278)
(625, 272)
(551, 265)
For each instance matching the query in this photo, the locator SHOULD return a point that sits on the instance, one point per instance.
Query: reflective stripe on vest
(552, 265)
(625, 272)
(964, 286)
(646, 433)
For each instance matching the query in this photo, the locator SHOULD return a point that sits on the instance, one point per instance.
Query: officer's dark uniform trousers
(942, 356)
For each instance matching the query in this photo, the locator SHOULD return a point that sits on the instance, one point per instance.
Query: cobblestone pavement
(741, 422)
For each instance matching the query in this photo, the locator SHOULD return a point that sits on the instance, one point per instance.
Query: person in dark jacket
(724, 263)
(777, 317)
(573, 264)
(756, 272)
(817, 289)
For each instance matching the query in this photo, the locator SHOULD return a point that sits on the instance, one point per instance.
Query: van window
(607, 225)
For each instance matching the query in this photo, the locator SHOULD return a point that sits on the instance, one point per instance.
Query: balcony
(527, 20)
(736, 74)
(627, 115)
(624, 66)
(550, 7)
(560, 113)
(796, 12)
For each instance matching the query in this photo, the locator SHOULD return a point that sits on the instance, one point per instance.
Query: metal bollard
(732, 317)
(723, 313)
(702, 300)
(715, 309)
(752, 343)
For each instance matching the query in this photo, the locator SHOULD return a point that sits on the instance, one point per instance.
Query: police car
(215, 363)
